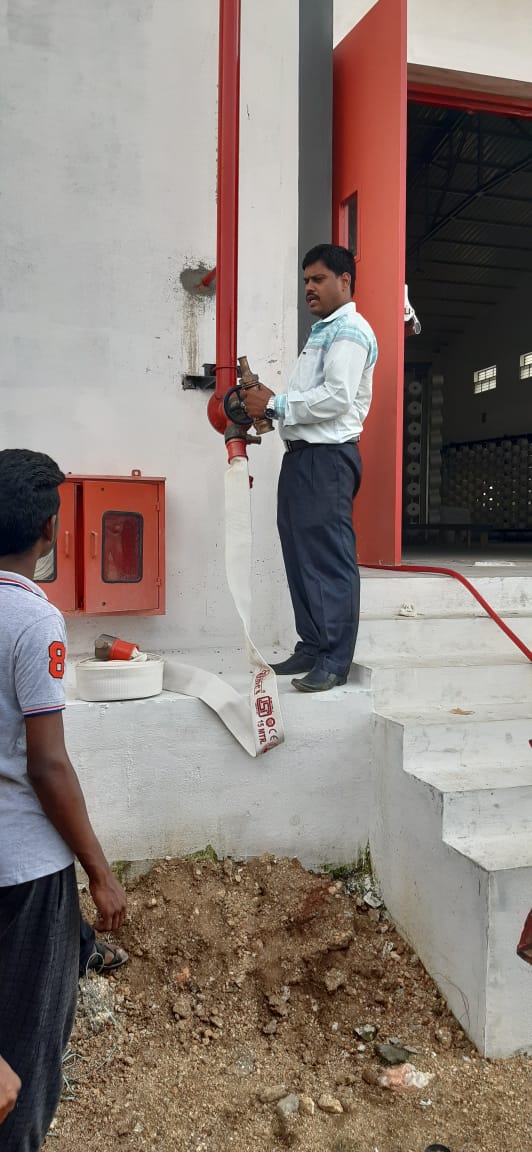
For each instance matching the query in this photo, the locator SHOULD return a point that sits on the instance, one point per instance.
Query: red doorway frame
(444, 96)
(369, 158)
(468, 100)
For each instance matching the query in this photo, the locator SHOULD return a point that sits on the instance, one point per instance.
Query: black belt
(297, 445)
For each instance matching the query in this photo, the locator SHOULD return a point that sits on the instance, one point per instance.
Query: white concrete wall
(108, 154)
(485, 36)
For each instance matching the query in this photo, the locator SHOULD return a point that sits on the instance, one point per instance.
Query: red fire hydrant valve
(216, 414)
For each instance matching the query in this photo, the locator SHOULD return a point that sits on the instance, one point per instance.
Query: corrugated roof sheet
(469, 214)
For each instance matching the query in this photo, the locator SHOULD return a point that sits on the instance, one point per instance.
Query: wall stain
(195, 301)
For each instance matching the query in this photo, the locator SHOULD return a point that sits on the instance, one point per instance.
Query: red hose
(470, 588)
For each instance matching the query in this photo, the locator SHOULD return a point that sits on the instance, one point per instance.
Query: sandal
(97, 962)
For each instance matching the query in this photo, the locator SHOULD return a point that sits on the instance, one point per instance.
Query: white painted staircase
(451, 836)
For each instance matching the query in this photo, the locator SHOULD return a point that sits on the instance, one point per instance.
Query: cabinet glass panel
(122, 539)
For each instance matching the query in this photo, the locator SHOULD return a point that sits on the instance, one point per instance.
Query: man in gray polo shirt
(43, 818)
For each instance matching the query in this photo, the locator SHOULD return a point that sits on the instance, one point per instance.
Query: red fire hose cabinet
(109, 553)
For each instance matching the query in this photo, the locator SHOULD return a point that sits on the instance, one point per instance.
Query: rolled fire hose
(254, 720)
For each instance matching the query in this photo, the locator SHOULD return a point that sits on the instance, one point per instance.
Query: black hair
(29, 495)
(335, 258)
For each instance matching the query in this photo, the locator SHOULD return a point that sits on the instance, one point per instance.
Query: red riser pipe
(227, 207)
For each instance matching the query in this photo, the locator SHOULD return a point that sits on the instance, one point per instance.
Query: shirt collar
(15, 580)
(349, 307)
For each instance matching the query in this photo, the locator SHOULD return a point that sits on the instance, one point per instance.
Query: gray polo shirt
(32, 666)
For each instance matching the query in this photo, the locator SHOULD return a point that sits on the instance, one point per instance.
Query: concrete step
(508, 590)
(409, 686)
(497, 852)
(490, 796)
(484, 811)
(422, 638)
(456, 874)
(508, 999)
(484, 740)
(501, 867)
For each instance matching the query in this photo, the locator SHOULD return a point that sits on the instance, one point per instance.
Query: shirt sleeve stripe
(44, 710)
(358, 338)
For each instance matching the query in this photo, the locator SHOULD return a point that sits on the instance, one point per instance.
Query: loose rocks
(272, 1094)
(288, 1106)
(330, 1104)
(334, 979)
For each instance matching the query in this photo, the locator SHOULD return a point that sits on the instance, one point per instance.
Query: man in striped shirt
(321, 418)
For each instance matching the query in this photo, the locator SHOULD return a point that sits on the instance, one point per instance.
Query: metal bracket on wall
(206, 383)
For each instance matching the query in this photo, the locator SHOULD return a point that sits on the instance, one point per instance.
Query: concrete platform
(424, 754)
(164, 777)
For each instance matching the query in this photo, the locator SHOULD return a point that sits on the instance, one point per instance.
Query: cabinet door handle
(94, 545)
(67, 543)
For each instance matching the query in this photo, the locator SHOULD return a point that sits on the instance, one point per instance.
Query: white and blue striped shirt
(329, 391)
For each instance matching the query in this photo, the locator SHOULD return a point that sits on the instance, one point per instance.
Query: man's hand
(9, 1089)
(110, 900)
(256, 399)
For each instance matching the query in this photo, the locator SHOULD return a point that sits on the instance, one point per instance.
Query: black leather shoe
(297, 662)
(317, 681)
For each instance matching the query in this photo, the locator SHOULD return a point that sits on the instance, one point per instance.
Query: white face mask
(45, 567)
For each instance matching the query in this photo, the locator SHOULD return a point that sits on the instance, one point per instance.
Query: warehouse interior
(468, 374)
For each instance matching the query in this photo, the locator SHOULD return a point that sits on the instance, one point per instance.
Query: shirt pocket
(309, 371)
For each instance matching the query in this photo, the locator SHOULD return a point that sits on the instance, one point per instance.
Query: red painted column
(369, 159)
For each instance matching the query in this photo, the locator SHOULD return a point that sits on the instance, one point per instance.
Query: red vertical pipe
(227, 213)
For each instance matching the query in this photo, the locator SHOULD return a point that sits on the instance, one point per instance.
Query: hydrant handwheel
(234, 408)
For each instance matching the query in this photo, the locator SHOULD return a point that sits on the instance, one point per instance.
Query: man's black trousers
(317, 486)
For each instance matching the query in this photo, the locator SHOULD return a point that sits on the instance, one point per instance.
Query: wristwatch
(270, 413)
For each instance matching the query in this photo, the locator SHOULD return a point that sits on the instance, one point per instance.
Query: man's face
(324, 290)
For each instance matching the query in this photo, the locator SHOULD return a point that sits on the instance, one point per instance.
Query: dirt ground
(249, 978)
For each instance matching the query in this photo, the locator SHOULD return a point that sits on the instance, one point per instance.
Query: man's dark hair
(335, 258)
(28, 497)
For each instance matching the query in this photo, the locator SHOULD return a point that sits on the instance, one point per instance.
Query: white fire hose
(254, 720)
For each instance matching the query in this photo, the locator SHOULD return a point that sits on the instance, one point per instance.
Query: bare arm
(9, 1089)
(57, 787)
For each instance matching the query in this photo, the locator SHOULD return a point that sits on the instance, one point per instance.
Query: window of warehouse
(485, 379)
(525, 366)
